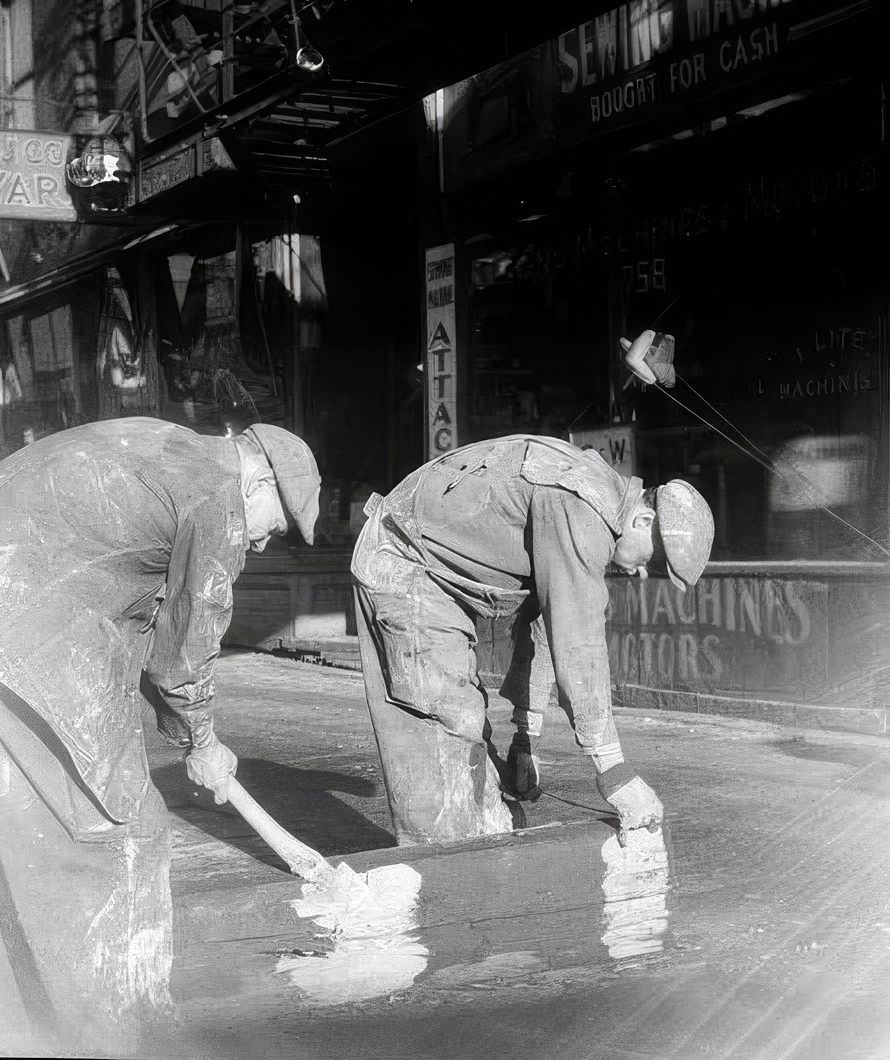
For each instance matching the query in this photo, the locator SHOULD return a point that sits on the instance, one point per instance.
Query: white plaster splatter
(130, 938)
(368, 920)
(12, 589)
(635, 887)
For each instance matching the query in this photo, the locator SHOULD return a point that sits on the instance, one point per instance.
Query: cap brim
(298, 491)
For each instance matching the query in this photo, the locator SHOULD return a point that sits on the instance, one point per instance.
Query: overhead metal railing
(196, 62)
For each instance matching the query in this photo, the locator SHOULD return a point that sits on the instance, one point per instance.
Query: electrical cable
(581, 805)
(764, 461)
(726, 420)
(770, 465)
(755, 452)
(171, 59)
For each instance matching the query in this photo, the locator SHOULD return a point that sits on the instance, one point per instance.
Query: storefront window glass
(772, 282)
(774, 290)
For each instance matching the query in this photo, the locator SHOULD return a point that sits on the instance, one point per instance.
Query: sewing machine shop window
(778, 304)
(534, 317)
(791, 460)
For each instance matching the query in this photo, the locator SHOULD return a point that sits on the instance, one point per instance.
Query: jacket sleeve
(571, 547)
(529, 680)
(207, 556)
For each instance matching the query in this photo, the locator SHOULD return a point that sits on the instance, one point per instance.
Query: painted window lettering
(631, 94)
(630, 35)
(749, 48)
(659, 633)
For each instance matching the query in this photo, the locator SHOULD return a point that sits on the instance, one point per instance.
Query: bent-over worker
(120, 543)
(523, 526)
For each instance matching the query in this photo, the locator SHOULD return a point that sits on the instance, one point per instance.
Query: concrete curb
(870, 721)
(342, 653)
(339, 652)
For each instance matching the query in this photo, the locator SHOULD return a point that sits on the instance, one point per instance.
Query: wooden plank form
(531, 902)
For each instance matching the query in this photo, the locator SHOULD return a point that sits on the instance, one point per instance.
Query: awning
(236, 77)
(18, 296)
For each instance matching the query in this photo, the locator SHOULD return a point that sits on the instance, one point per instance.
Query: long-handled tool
(359, 915)
(302, 860)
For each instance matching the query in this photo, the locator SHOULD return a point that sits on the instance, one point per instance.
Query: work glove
(522, 769)
(637, 804)
(211, 765)
(651, 357)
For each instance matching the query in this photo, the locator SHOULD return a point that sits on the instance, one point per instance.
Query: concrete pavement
(777, 940)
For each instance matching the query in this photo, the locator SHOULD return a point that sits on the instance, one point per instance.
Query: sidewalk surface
(778, 902)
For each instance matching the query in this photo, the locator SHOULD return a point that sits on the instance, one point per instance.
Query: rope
(761, 458)
(580, 805)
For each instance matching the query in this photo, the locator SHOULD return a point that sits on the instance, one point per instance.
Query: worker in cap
(523, 527)
(295, 471)
(121, 541)
(667, 530)
(682, 532)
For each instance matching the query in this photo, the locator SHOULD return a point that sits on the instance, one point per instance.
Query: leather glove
(637, 804)
(522, 769)
(211, 765)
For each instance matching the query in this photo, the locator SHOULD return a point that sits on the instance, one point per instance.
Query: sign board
(636, 62)
(180, 164)
(614, 444)
(639, 56)
(32, 176)
(737, 637)
(766, 637)
(440, 355)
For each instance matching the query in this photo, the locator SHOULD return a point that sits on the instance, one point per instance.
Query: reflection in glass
(635, 885)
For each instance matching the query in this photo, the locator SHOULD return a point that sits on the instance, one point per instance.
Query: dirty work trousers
(85, 910)
(427, 707)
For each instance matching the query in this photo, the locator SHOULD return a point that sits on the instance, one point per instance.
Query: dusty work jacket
(119, 543)
(519, 522)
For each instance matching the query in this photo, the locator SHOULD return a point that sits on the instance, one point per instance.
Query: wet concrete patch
(368, 930)
(776, 946)
(797, 747)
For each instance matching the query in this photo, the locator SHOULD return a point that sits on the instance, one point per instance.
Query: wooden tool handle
(301, 859)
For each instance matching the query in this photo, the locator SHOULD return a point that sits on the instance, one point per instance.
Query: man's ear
(644, 519)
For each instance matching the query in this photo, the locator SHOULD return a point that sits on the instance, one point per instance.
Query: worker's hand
(637, 804)
(522, 769)
(211, 765)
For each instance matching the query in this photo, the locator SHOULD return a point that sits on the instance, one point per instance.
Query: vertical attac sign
(440, 362)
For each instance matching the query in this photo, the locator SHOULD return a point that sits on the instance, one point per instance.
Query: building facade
(716, 172)
(179, 242)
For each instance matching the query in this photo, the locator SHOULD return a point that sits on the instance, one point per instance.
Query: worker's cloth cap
(686, 527)
(296, 474)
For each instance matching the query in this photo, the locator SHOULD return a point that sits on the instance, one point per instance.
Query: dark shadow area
(798, 747)
(300, 800)
(39, 777)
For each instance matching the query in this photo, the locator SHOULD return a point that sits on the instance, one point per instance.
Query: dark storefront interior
(758, 244)
(748, 221)
(304, 314)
